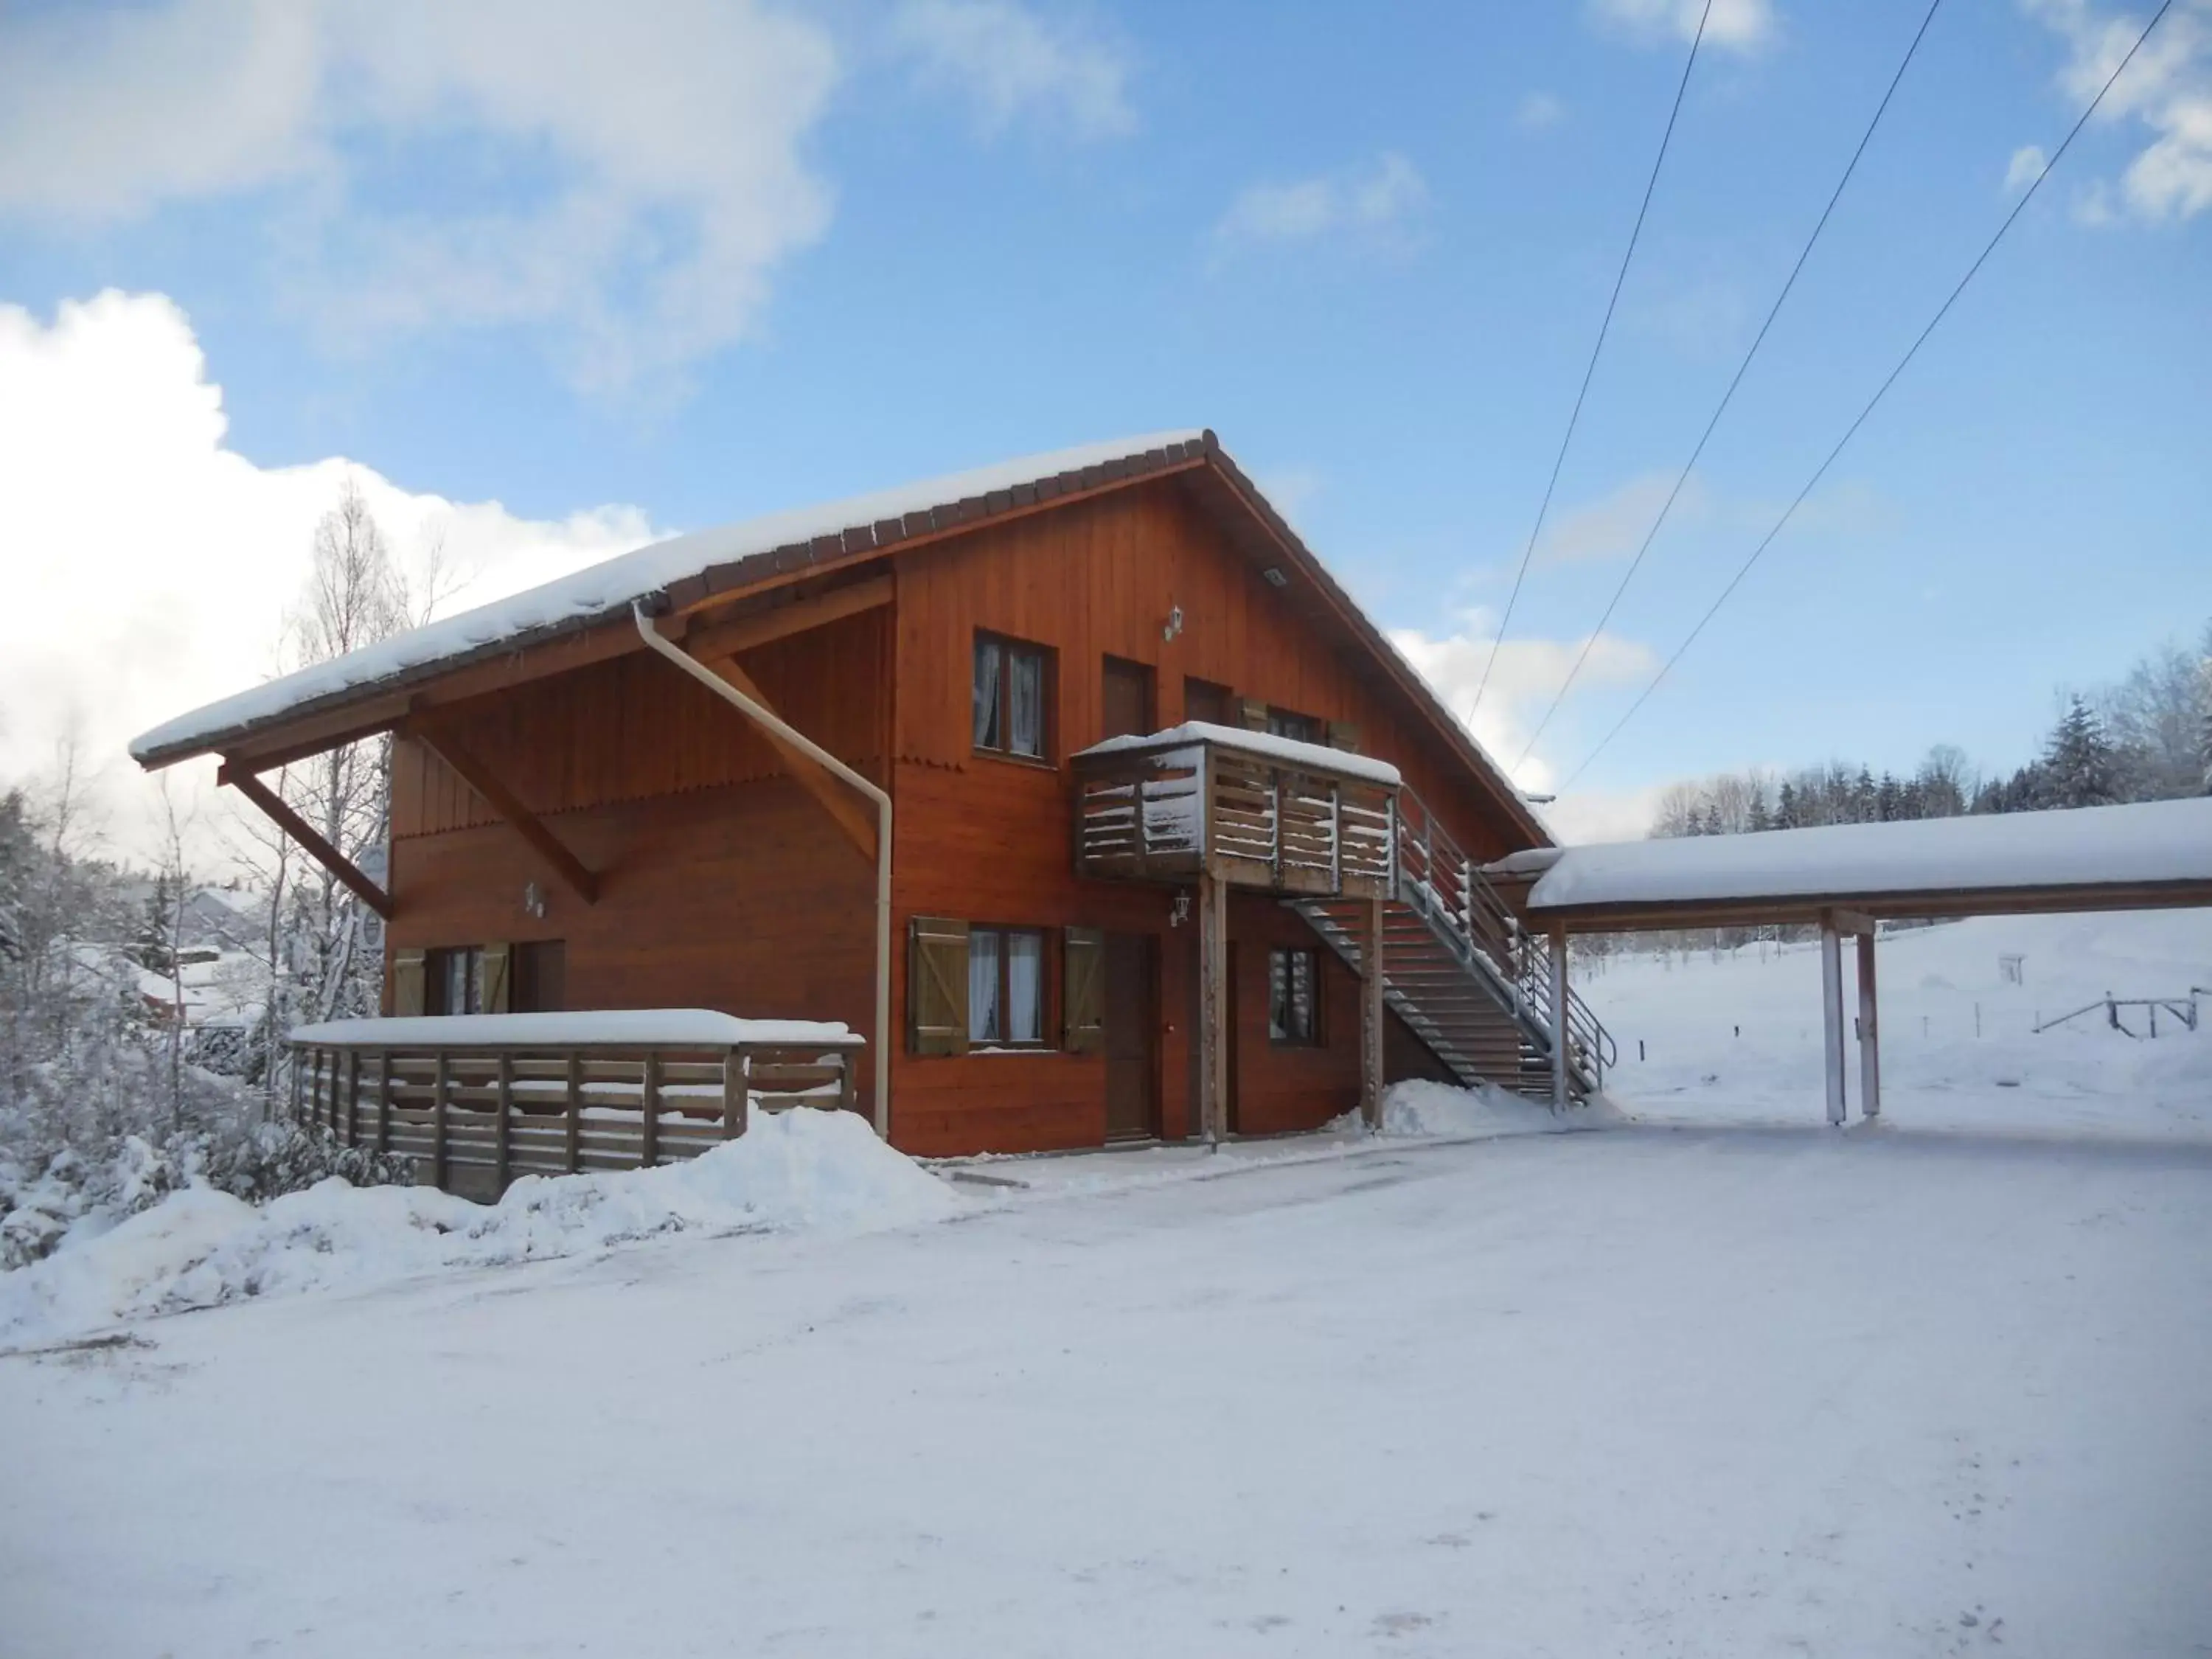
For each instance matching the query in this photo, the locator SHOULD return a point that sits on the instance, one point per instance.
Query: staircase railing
(1434, 875)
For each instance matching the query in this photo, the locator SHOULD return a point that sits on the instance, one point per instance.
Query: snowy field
(1716, 1381)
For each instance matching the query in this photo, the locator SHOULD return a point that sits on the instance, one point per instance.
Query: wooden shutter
(406, 983)
(1082, 992)
(1255, 714)
(937, 985)
(494, 983)
(1343, 734)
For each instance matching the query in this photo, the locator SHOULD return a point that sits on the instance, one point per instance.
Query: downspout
(814, 752)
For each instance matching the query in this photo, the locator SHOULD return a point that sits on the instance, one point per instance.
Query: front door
(1132, 1018)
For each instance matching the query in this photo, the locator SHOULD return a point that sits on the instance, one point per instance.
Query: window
(1299, 728)
(1293, 997)
(1005, 986)
(1009, 698)
(452, 981)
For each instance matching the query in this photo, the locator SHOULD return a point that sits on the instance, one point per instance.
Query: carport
(1845, 878)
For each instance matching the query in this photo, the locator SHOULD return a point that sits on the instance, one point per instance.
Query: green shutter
(494, 983)
(937, 985)
(407, 968)
(1082, 991)
(1345, 735)
(1255, 713)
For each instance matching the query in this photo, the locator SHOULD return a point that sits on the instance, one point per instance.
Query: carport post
(1560, 1101)
(1869, 1032)
(1831, 1013)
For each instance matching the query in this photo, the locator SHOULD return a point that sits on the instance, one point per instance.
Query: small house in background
(1159, 797)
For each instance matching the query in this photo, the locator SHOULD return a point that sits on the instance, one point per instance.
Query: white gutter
(814, 752)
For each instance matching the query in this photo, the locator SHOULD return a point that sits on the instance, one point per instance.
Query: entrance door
(1131, 1020)
(1125, 700)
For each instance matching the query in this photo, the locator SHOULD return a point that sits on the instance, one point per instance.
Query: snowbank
(199, 1247)
(1418, 1110)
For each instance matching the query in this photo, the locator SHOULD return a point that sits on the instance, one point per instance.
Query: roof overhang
(587, 618)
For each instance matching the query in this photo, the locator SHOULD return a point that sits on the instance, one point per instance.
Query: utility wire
(1683, 477)
(1850, 431)
(1621, 276)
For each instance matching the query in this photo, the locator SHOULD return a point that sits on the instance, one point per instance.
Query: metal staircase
(1458, 969)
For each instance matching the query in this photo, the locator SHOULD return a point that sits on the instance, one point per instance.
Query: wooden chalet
(1157, 792)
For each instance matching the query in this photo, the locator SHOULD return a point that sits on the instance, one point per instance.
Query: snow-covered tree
(2079, 764)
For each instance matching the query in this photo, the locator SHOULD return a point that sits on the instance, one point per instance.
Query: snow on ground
(1716, 1389)
(1739, 1039)
(200, 1248)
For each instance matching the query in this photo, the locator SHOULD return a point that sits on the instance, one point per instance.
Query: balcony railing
(1247, 809)
(477, 1100)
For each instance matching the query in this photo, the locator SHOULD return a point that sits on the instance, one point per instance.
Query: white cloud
(1538, 110)
(1526, 674)
(1010, 62)
(2024, 168)
(1614, 525)
(149, 568)
(2168, 87)
(1735, 24)
(655, 152)
(1374, 204)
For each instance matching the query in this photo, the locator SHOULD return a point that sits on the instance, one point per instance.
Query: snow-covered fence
(478, 1100)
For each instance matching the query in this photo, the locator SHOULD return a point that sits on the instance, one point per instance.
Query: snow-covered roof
(1287, 751)
(610, 588)
(2145, 845)
(643, 1028)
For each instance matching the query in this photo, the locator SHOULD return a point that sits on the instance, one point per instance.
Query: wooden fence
(475, 1117)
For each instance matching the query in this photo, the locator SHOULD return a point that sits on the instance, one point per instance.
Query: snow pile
(1418, 1110)
(199, 1247)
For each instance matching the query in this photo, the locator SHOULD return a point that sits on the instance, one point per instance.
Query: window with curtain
(451, 981)
(1293, 996)
(1299, 728)
(1008, 704)
(1007, 986)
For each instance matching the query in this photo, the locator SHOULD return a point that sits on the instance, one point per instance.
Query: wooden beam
(1370, 1016)
(709, 637)
(836, 797)
(1870, 1033)
(462, 760)
(1832, 1017)
(1213, 1009)
(301, 831)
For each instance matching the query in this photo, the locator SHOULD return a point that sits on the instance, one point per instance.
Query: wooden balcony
(478, 1100)
(1243, 808)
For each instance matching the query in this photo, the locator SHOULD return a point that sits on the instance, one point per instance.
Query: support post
(1870, 1034)
(1560, 1100)
(384, 1101)
(1832, 1014)
(438, 1123)
(1212, 1008)
(648, 1150)
(733, 1093)
(505, 1105)
(575, 1111)
(1370, 1018)
(353, 1097)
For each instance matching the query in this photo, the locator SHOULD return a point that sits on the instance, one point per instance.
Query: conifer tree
(2080, 765)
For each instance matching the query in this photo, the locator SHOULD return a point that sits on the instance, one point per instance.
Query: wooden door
(1132, 1048)
(1202, 700)
(1125, 700)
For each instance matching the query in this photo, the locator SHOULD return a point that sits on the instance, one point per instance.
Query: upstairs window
(1010, 682)
(1293, 997)
(454, 981)
(1299, 728)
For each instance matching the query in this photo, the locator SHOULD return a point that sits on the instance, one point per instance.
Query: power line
(1720, 408)
(1850, 431)
(1621, 276)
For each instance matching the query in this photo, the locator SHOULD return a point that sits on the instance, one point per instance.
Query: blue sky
(679, 264)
